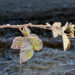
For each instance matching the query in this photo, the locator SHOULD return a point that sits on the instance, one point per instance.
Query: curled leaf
(36, 42)
(71, 30)
(48, 24)
(65, 26)
(17, 42)
(26, 31)
(26, 52)
(66, 41)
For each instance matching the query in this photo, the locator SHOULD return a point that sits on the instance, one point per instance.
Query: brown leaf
(71, 30)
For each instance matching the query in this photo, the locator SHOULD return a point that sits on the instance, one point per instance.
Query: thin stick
(26, 25)
(20, 69)
(47, 26)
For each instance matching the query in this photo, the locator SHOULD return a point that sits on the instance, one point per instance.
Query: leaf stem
(20, 69)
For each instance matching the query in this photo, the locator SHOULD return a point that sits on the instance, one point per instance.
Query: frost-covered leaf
(17, 42)
(66, 41)
(48, 24)
(65, 26)
(26, 52)
(55, 33)
(55, 30)
(57, 24)
(26, 31)
(71, 30)
(36, 42)
(33, 36)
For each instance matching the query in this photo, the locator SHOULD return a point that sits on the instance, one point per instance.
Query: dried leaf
(65, 26)
(36, 42)
(55, 33)
(57, 24)
(26, 31)
(55, 30)
(71, 30)
(17, 42)
(48, 24)
(66, 41)
(26, 52)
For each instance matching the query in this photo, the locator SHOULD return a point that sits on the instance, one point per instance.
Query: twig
(20, 69)
(47, 26)
(26, 25)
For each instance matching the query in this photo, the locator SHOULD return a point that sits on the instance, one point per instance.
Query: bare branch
(26, 25)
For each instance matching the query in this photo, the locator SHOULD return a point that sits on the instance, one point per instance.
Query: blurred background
(43, 10)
